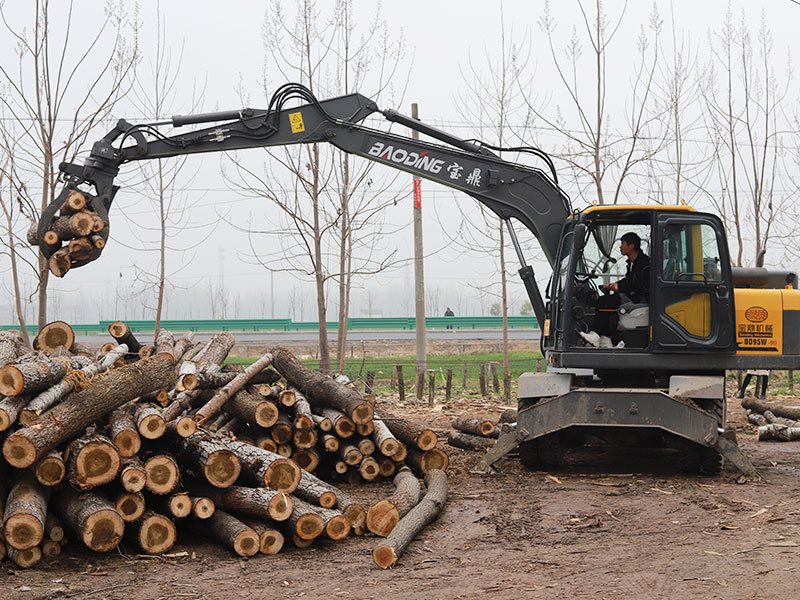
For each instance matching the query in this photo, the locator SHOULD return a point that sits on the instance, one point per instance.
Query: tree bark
(123, 432)
(10, 409)
(252, 409)
(123, 334)
(97, 523)
(67, 419)
(779, 410)
(473, 426)
(385, 514)
(31, 377)
(232, 533)
(221, 397)
(272, 470)
(11, 344)
(319, 389)
(408, 432)
(25, 512)
(205, 454)
(388, 552)
(262, 503)
(466, 441)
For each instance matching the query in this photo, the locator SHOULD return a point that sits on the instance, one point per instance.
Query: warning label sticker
(296, 120)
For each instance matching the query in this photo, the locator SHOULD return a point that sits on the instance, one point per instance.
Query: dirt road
(584, 533)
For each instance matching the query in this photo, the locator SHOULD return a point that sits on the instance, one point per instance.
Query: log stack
(776, 421)
(139, 445)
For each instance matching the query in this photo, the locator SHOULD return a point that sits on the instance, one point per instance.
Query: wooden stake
(448, 385)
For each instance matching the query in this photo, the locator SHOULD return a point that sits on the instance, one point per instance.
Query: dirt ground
(601, 531)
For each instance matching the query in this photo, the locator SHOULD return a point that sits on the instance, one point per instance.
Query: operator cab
(688, 301)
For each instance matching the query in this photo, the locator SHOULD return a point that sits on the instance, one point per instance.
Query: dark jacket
(636, 283)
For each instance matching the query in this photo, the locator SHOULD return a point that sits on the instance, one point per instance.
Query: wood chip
(759, 512)
(553, 478)
(667, 492)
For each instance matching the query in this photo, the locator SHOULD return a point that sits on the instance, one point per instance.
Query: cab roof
(629, 207)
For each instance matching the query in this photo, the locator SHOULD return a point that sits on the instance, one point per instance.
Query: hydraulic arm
(510, 190)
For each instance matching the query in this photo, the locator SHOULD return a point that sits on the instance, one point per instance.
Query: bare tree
(63, 86)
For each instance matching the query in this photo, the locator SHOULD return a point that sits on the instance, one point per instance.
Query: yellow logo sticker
(296, 119)
(756, 314)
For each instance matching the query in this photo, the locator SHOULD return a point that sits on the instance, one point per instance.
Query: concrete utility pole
(419, 276)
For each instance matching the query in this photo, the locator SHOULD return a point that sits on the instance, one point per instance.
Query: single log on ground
(130, 505)
(422, 462)
(132, 476)
(253, 409)
(321, 389)
(124, 433)
(31, 377)
(69, 418)
(387, 552)
(50, 470)
(232, 533)
(162, 474)
(221, 397)
(779, 410)
(156, 533)
(411, 434)
(387, 444)
(202, 507)
(262, 503)
(385, 514)
(53, 528)
(341, 424)
(97, 523)
(24, 558)
(458, 439)
(25, 512)
(92, 460)
(480, 427)
(10, 409)
(123, 334)
(778, 432)
(208, 455)
(53, 335)
(272, 470)
(270, 539)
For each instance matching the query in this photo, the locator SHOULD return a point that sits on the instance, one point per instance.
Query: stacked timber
(470, 433)
(776, 421)
(76, 235)
(141, 442)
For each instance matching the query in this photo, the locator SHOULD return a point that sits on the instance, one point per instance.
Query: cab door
(693, 293)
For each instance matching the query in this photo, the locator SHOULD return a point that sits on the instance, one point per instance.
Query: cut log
(313, 489)
(221, 397)
(146, 351)
(303, 417)
(183, 344)
(92, 460)
(350, 454)
(53, 335)
(305, 522)
(307, 459)
(24, 558)
(270, 539)
(130, 505)
(232, 533)
(365, 446)
(369, 468)
(72, 226)
(97, 523)
(50, 470)
(408, 432)
(11, 344)
(124, 433)
(285, 450)
(387, 466)
(205, 454)
(265, 442)
(509, 415)
(389, 551)
(262, 503)
(216, 350)
(202, 507)
(179, 505)
(132, 476)
(165, 344)
(365, 429)
(25, 512)
(150, 421)
(335, 525)
(324, 423)
(156, 533)
(330, 442)
(779, 410)
(31, 377)
(341, 424)
(778, 432)
(466, 441)
(281, 431)
(387, 444)
(274, 471)
(385, 514)
(287, 398)
(162, 475)
(51, 549)
(53, 528)
(81, 248)
(10, 409)
(473, 426)
(321, 389)
(252, 409)
(69, 418)
(75, 201)
(181, 427)
(422, 462)
(304, 438)
(123, 334)
(59, 262)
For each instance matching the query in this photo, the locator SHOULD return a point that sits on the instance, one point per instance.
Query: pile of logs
(77, 234)
(140, 442)
(474, 434)
(775, 421)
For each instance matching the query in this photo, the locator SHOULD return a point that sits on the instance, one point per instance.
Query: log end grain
(362, 413)
(308, 460)
(426, 439)
(247, 543)
(266, 413)
(389, 447)
(337, 527)
(103, 529)
(133, 479)
(130, 506)
(382, 517)
(384, 556)
(156, 534)
(51, 549)
(152, 427)
(23, 531)
(202, 507)
(369, 468)
(25, 558)
(270, 541)
(222, 468)
(161, 474)
(280, 507)
(309, 526)
(282, 475)
(12, 380)
(50, 470)
(327, 499)
(53, 335)
(357, 515)
(185, 426)
(96, 463)
(288, 398)
(401, 453)
(435, 459)
(180, 505)
(128, 443)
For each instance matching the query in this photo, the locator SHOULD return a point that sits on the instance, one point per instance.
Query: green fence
(356, 323)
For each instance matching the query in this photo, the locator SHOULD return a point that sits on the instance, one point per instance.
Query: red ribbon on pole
(417, 193)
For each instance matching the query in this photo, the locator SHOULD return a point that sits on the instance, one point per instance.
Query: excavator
(661, 383)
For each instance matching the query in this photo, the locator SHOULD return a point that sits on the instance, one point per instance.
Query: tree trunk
(386, 553)
(31, 377)
(473, 426)
(221, 397)
(408, 432)
(92, 461)
(95, 520)
(73, 415)
(320, 389)
(123, 432)
(385, 514)
(467, 441)
(25, 512)
(205, 454)
(779, 410)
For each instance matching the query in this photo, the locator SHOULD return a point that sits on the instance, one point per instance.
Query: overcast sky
(221, 46)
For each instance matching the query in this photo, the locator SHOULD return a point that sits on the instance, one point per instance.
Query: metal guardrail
(356, 323)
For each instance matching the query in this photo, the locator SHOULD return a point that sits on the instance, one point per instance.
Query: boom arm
(508, 189)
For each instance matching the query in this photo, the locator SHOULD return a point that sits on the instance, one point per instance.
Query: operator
(635, 286)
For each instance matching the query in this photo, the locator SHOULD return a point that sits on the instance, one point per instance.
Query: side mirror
(579, 237)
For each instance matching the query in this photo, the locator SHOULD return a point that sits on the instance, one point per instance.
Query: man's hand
(610, 287)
